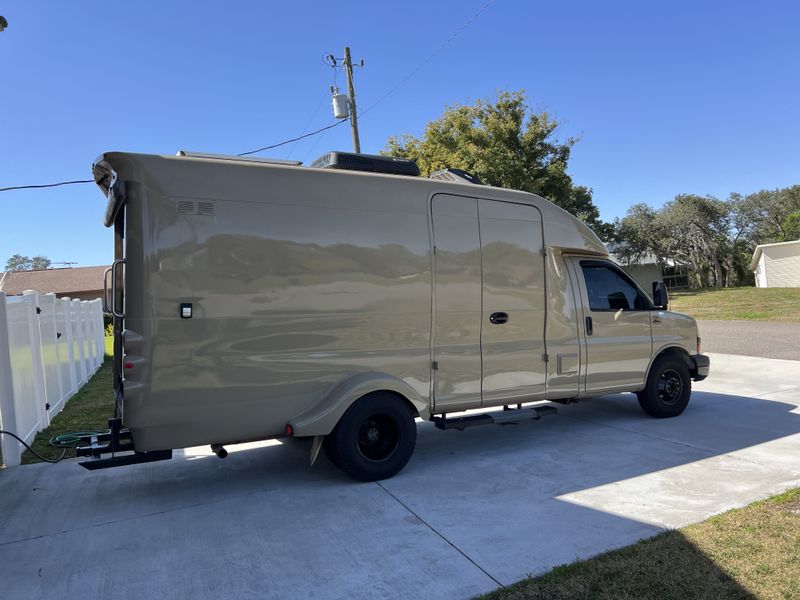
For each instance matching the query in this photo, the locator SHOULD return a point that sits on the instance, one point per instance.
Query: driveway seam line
(429, 526)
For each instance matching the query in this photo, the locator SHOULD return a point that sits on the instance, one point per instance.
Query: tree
(39, 263)
(24, 263)
(18, 263)
(505, 145)
(693, 230)
(715, 238)
(768, 215)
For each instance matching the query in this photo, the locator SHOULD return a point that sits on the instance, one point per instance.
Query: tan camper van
(257, 299)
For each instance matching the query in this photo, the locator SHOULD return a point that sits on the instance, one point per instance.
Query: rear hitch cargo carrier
(117, 440)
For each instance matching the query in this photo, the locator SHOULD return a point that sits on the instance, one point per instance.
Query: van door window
(609, 289)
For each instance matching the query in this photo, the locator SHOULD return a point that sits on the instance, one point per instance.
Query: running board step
(500, 417)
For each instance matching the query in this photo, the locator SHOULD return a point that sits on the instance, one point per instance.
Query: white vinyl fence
(49, 348)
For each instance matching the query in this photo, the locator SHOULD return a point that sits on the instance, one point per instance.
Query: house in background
(777, 265)
(82, 283)
(647, 270)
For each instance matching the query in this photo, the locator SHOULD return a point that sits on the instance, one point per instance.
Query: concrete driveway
(472, 510)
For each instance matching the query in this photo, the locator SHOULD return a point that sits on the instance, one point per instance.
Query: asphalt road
(767, 339)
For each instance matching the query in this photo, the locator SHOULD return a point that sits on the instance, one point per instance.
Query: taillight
(699, 346)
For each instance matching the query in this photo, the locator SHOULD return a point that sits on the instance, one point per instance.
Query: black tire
(374, 439)
(668, 388)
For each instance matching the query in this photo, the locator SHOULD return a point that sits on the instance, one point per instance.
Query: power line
(325, 95)
(77, 181)
(300, 137)
(45, 185)
(441, 47)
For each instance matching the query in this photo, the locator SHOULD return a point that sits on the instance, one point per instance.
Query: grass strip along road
(739, 304)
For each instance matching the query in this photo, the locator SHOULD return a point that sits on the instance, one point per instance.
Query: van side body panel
(291, 294)
(301, 281)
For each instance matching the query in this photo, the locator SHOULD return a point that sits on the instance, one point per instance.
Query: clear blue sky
(669, 97)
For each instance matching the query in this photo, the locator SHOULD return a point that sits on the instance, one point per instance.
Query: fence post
(31, 298)
(91, 341)
(101, 332)
(66, 305)
(54, 391)
(9, 447)
(79, 339)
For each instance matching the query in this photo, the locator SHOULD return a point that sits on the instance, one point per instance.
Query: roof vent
(456, 176)
(371, 163)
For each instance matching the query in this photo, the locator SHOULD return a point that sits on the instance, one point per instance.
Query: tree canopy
(505, 144)
(714, 238)
(25, 263)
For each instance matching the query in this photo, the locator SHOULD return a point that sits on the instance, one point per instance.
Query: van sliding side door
(456, 303)
(512, 327)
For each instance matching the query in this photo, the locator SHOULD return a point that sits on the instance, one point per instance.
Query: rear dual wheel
(374, 439)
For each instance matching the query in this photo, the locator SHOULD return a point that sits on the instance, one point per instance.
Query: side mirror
(660, 295)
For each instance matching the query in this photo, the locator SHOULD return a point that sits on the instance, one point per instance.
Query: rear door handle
(498, 318)
(589, 326)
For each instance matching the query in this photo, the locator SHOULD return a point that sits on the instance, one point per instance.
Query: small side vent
(185, 207)
(205, 208)
(188, 207)
(455, 176)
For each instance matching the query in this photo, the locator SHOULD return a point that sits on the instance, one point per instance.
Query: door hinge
(544, 252)
(435, 365)
(546, 357)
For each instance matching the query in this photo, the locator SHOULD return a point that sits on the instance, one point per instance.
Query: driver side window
(610, 290)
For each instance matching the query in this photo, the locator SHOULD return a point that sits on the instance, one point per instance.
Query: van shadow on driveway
(472, 509)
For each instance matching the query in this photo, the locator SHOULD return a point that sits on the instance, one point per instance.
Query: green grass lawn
(744, 303)
(752, 552)
(90, 408)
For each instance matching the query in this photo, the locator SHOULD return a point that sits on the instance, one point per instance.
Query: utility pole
(351, 92)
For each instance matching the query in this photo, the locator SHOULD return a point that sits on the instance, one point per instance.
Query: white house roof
(760, 247)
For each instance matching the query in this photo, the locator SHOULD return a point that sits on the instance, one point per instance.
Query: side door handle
(498, 318)
(589, 326)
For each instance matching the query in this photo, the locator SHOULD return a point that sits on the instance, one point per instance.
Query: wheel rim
(378, 437)
(670, 386)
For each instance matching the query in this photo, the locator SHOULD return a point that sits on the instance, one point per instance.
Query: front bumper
(700, 366)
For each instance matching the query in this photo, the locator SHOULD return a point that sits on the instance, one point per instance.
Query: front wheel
(668, 388)
(374, 439)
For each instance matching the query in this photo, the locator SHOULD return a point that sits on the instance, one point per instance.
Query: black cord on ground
(36, 454)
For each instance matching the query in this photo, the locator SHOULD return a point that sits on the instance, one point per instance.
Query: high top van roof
(178, 176)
